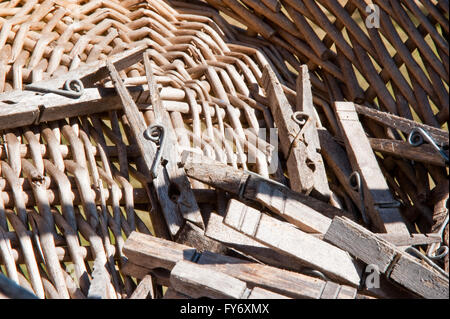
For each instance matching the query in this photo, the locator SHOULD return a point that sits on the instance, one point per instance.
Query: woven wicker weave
(72, 190)
(399, 62)
(77, 178)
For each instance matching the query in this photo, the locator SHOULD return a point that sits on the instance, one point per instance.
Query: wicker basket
(72, 190)
(393, 54)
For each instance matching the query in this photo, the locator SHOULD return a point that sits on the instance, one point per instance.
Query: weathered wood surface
(256, 275)
(161, 276)
(358, 241)
(289, 208)
(178, 186)
(304, 104)
(424, 153)
(281, 281)
(40, 108)
(50, 107)
(375, 188)
(133, 270)
(305, 212)
(387, 289)
(230, 237)
(390, 260)
(150, 253)
(100, 287)
(337, 160)
(263, 294)
(404, 240)
(148, 151)
(88, 73)
(426, 282)
(198, 281)
(304, 100)
(153, 252)
(185, 205)
(333, 290)
(439, 199)
(173, 294)
(412, 240)
(282, 236)
(20, 108)
(194, 236)
(406, 126)
(295, 151)
(238, 90)
(144, 290)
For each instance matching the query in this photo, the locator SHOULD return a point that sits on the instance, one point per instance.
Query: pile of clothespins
(151, 149)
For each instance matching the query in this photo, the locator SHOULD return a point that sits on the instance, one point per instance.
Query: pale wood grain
(301, 176)
(360, 242)
(305, 212)
(424, 153)
(198, 281)
(144, 290)
(402, 124)
(424, 281)
(153, 254)
(185, 205)
(147, 148)
(362, 158)
(313, 252)
(230, 237)
(304, 103)
(397, 265)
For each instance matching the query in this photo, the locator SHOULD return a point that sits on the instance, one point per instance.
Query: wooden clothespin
(282, 236)
(298, 136)
(402, 124)
(395, 263)
(171, 185)
(305, 212)
(379, 203)
(198, 281)
(248, 246)
(304, 105)
(26, 107)
(148, 252)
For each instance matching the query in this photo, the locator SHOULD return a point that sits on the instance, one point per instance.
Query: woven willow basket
(393, 54)
(72, 190)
